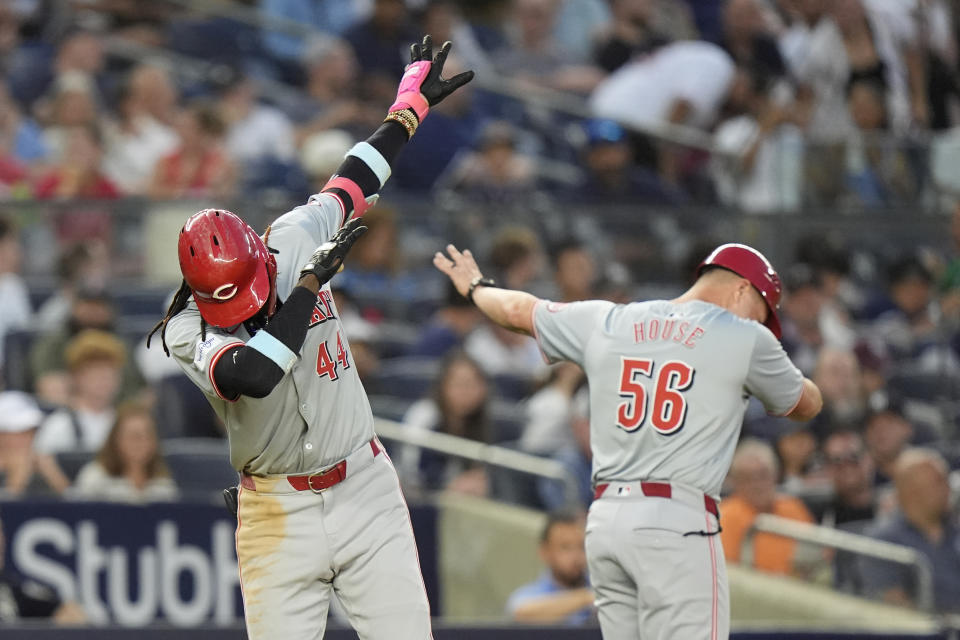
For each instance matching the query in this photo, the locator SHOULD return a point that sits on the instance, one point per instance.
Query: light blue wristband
(373, 159)
(272, 348)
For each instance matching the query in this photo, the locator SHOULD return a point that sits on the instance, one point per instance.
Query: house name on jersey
(664, 329)
(322, 309)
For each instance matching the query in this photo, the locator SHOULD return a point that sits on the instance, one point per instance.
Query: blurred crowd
(764, 105)
(761, 105)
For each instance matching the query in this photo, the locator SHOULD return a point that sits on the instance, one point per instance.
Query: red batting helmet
(749, 263)
(227, 266)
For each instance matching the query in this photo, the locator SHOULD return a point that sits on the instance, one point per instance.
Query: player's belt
(656, 490)
(327, 478)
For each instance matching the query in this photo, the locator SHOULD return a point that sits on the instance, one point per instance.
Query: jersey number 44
(667, 407)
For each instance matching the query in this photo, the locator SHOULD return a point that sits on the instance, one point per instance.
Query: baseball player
(669, 382)
(255, 327)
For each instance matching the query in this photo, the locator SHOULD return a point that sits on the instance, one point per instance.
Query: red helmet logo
(749, 263)
(225, 264)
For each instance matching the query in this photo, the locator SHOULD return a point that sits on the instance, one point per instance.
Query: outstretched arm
(510, 309)
(368, 164)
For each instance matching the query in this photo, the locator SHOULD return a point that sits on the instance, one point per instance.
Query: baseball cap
(601, 131)
(18, 412)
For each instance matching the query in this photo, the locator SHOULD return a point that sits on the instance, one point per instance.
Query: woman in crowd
(129, 467)
(458, 406)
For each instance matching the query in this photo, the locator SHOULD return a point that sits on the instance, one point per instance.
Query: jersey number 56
(669, 410)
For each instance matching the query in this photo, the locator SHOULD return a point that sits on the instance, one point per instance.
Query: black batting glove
(327, 260)
(434, 88)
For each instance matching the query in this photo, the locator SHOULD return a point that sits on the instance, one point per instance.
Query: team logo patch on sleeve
(203, 349)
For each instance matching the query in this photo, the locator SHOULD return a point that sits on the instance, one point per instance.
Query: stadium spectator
(90, 309)
(334, 16)
(856, 42)
(16, 311)
(844, 397)
(448, 327)
(753, 480)
(496, 173)
(458, 405)
(29, 600)
(152, 87)
(904, 328)
(78, 175)
(255, 131)
(444, 20)
(82, 266)
(19, 418)
(683, 83)
(629, 33)
(71, 103)
(136, 140)
(576, 457)
(331, 98)
(923, 522)
(95, 360)
(503, 352)
(382, 45)
(562, 594)
(576, 26)
(575, 272)
(878, 168)
(851, 472)
(550, 411)
(129, 466)
(800, 472)
(612, 177)
(749, 39)
(762, 171)
(516, 257)
(21, 138)
(199, 167)
(803, 18)
(800, 312)
(887, 433)
(534, 56)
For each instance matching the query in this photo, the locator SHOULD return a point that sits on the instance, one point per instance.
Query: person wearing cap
(612, 175)
(669, 383)
(95, 360)
(19, 418)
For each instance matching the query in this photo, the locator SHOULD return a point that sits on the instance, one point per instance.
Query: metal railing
(846, 541)
(489, 454)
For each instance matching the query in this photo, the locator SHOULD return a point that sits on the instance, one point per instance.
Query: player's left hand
(461, 268)
(327, 260)
(421, 86)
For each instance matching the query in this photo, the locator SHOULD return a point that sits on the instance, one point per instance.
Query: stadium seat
(16, 361)
(407, 377)
(72, 461)
(199, 466)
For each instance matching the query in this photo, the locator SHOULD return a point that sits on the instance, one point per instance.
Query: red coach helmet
(227, 266)
(749, 263)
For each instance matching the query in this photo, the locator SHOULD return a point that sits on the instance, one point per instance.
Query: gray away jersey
(669, 384)
(318, 412)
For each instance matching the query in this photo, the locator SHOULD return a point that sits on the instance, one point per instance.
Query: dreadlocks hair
(179, 303)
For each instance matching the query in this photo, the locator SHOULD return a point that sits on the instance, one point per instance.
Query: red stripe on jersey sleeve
(536, 334)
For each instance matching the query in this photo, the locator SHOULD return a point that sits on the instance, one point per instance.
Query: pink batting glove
(408, 95)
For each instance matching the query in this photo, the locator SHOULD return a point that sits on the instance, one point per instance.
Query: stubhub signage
(130, 565)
